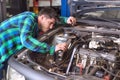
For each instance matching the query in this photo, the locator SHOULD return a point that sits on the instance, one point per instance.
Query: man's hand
(71, 20)
(61, 46)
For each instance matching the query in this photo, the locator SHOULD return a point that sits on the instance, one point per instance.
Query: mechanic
(22, 31)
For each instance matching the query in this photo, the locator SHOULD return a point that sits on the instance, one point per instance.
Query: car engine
(92, 54)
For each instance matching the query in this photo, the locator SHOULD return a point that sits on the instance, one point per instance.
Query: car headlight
(12, 74)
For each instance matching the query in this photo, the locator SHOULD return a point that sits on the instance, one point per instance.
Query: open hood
(80, 7)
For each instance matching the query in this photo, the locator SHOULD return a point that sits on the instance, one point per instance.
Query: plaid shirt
(18, 32)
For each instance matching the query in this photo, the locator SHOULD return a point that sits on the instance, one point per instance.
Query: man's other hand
(71, 20)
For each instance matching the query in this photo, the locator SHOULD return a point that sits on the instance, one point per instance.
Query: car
(93, 47)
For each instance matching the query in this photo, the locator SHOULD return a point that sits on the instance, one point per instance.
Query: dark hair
(48, 12)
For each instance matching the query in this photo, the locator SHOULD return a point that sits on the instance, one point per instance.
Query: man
(22, 31)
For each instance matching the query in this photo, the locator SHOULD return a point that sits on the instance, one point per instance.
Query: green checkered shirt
(18, 32)
(21, 31)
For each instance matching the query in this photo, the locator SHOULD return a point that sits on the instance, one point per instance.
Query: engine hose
(87, 69)
(71, 59)
(116, 75)
(110, 72)
(93, 70)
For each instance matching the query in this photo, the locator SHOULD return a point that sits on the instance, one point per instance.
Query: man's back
(10, 41)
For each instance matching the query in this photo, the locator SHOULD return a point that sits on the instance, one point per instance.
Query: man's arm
(27, 39)
(69, 20)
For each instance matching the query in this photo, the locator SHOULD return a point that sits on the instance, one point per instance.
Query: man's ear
(41, 17)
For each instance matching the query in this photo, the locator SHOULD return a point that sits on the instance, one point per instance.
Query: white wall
(46, 3)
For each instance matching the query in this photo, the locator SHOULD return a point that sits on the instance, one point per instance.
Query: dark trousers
(3, 70)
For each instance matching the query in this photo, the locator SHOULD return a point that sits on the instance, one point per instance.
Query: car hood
(80, 7)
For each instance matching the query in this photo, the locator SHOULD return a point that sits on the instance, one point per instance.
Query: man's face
(46, 23)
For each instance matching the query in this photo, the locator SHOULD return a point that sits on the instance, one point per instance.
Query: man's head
(46, 18)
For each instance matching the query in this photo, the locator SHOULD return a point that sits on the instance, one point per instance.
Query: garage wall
(46, 3)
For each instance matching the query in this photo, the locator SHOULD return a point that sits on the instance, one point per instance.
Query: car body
(93, 52)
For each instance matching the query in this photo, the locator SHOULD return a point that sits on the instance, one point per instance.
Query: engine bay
(93, 54)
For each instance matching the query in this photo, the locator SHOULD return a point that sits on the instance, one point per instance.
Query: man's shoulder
(24, 15)
(27, 13)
